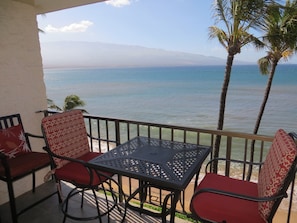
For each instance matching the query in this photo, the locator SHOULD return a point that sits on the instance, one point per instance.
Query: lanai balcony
(22, 90)
(112, 132)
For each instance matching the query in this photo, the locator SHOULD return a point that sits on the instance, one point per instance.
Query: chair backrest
(13, 140)
(65, 135)
(279, 164)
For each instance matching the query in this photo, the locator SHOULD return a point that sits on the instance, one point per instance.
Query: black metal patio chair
(224, 199)
(68, 146)
(18, 160)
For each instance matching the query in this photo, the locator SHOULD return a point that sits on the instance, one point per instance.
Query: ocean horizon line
(144, 67)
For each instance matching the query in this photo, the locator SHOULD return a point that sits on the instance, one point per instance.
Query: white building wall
(22, 88)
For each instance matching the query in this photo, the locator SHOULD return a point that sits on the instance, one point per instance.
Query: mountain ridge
(74, 54)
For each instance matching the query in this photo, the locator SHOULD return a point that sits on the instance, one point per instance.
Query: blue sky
(174, 25)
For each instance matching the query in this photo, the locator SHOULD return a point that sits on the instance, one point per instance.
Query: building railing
(107, 133)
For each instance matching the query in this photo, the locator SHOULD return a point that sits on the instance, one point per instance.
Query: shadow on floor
(49, 211)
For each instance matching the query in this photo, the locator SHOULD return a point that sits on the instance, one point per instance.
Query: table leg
(142, 192)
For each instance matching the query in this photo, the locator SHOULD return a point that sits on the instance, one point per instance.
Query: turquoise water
(187, 96)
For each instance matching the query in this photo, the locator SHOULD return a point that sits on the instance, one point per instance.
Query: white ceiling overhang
(45, 6)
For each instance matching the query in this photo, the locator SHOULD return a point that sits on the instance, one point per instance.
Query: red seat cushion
(220, 208)
(26, 163)
(81, 176)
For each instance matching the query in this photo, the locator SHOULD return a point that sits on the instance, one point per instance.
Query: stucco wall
(22, 88)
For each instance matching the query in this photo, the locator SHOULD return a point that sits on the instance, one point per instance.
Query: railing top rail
(201, 130)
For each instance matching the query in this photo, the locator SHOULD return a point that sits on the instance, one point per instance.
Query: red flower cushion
(275, 169)
(13, 141)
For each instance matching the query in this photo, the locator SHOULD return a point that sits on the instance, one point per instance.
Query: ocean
(185, 96)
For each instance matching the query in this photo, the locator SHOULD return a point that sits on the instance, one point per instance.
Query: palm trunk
(265, 99)
(261, 112)
(220, 126)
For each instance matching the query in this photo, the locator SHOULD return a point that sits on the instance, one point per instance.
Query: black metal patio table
(162, 164)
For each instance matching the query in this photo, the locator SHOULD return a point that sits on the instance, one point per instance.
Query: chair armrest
(231, 160)
(30, 135)
(63, 157)
(33, 135)
(81, 162)
(239, 196)
(293, 135)
(99, 139)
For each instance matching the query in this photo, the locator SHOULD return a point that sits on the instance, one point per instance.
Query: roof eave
(46, 6)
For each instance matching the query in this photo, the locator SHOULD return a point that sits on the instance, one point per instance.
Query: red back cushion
(275, 169)
(66, 135)
(13, 141)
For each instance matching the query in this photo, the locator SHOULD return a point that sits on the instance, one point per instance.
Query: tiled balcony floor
(49, 211)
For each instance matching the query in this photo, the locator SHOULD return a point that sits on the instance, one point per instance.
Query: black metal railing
(107, 133)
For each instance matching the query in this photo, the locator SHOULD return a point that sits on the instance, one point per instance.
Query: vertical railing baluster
(291, 198)
(117, 133)
(228, 155)
(261, 154)
(245, 159)
(99, 135)
(90, 132)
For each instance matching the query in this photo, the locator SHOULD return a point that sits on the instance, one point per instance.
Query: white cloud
(118, 3)
(82, 26)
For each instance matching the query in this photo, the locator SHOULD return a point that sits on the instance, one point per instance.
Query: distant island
(96, 54)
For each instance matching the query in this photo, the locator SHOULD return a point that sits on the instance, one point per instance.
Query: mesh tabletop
(164, 163)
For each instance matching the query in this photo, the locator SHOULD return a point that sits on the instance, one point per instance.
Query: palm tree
(70, 102)
(238, 16)
(280, 39)
(51, 105)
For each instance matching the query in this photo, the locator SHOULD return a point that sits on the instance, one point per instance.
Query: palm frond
(52, 105)
(221, 12)
(264, 65)
(215, 32)
(72, 101)
(287, 54)
(281, 30)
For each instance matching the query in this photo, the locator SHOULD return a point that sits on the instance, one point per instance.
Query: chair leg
(33, 182)
(108, 208)
(79, 191)
(12, 202)
(115, 198)
(59, 189)
(97, 205)
(82, 198)
(65, 211)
